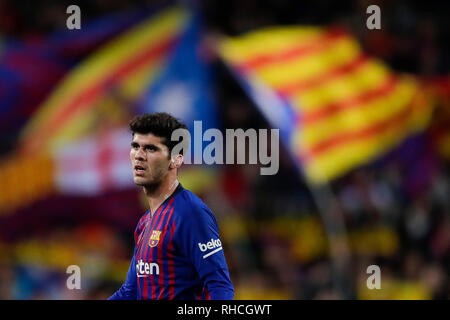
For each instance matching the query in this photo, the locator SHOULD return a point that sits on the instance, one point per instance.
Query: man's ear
(176, 161)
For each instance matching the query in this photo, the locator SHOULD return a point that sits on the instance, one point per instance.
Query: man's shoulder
(192, 205)
(188, 197)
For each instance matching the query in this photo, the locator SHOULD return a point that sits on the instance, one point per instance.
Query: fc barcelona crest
(154, 238)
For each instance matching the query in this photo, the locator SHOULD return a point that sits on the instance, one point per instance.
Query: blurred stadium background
(379, 195)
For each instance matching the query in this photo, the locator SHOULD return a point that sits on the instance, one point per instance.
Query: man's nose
(140, 154)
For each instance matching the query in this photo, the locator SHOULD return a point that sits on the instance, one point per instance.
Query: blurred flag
(184, 88)
(336, 107)
(92, 102)
(29, 71)
(90, 166)
(103, 89)
(73, 45)
(94, 165)
(26, 76)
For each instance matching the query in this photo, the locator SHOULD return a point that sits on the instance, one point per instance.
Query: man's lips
(139, 170)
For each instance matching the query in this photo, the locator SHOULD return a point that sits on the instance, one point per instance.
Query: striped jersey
(178, 254)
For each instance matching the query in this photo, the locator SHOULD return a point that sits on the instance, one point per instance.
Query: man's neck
(158, 195)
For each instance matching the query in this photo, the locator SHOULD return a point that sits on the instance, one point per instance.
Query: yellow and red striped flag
(336, 107)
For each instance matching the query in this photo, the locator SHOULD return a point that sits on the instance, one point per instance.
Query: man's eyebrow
(145, 146)
(150, 146)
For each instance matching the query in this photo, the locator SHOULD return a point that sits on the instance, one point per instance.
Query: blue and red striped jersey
(178, 254)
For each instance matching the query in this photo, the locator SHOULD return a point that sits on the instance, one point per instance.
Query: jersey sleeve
(200, 241)
(128, 290)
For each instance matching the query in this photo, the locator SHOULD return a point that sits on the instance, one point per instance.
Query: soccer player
(178, 253)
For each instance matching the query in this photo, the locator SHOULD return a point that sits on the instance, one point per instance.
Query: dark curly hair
(160, 124)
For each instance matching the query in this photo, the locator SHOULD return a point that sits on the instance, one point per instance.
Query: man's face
(149, 159)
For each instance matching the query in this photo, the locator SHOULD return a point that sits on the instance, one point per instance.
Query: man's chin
(145, 182)
(141, 181)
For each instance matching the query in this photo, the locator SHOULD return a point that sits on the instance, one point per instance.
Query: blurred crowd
(407, 27)
(396, 210)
